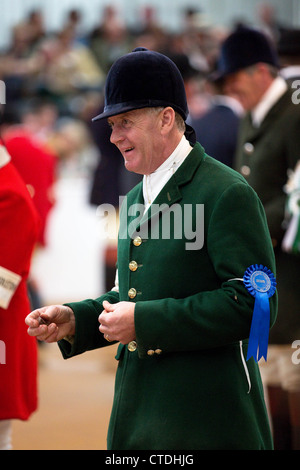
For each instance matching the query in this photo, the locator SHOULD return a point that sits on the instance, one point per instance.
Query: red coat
(37, 166)
(19, 230)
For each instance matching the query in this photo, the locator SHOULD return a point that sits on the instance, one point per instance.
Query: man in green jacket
(268, 150)
(194, 259)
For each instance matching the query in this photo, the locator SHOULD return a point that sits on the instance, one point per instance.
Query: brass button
(132, 346)
(132, 293)
(249, 148)
(245, 170)
(150, 352)
(133, 265)
(158, 351)
(137, 241)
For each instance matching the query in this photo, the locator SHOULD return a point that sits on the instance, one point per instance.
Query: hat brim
(115, 112)
(120, 108)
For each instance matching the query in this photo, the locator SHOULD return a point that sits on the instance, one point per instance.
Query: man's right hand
(51, 324)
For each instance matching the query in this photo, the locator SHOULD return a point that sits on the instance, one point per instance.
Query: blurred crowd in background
(54, 85)
(54, 80)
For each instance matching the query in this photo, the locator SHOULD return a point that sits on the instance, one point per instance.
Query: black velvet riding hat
(243, 48)
(143, 79)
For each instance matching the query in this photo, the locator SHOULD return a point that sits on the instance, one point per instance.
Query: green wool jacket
(184, 383)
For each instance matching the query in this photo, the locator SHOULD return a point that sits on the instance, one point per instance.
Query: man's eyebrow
(128, 114)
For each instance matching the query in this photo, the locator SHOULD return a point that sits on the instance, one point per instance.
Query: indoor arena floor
(75, 398)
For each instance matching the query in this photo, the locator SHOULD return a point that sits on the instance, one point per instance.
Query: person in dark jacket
(267, 152)
(194, 258)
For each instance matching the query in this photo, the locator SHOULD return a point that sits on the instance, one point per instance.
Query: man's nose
(116, 135)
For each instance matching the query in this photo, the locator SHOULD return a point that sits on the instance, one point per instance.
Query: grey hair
(178, 118)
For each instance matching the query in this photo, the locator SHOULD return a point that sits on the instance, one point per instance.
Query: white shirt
(290, 72)
(271, 96)
(153, 183)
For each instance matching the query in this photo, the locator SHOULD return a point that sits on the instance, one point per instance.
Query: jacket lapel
(253, 132)
(171, 193)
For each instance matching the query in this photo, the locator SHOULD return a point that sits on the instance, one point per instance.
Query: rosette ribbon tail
(261, 284)
(259, 332)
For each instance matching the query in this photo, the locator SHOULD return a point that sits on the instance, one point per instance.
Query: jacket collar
(171, 193)
(270, 98)
(276, 110)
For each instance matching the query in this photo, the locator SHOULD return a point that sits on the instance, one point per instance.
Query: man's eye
(125, 123)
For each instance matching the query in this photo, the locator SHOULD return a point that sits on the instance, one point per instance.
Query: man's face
(137, 136)
(247, 86)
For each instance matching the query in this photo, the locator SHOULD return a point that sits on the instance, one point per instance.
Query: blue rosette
(261, 284)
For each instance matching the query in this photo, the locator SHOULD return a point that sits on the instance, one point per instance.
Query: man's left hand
(117, 322)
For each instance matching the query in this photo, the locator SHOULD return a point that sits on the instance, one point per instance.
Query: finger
(106, 332)
(52, 333)
(40, 331)
(43, 321)
(108, 307)
(32, 320)
(104, 318)
(47, 333)
(37, 322)
(107, 335)
(103, 329)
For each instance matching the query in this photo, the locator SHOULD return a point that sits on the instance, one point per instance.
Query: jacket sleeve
(87, 334)
(237, 237)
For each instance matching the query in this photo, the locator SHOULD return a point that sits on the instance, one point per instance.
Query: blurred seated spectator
(69, 66)
(269, 22)
(39, 117)
(194, 78)
(110, 39)
(74, 22)
(19, 62)
(71, 141)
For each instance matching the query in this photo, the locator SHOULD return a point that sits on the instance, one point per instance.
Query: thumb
(107, 306)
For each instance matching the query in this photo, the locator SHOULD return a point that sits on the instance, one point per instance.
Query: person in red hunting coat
(19, 229)
(37, 166)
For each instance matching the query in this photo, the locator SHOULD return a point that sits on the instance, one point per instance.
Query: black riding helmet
(144, 79)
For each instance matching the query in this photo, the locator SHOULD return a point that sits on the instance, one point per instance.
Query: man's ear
(167, 119)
